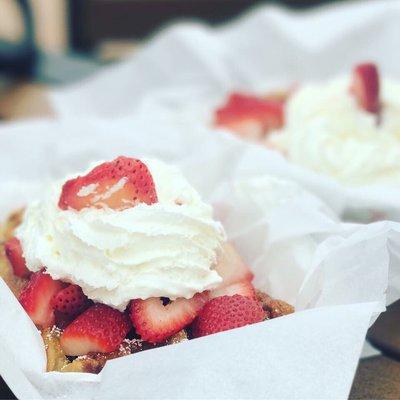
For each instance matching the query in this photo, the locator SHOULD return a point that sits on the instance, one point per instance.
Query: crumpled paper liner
(187, 69)
(335, 274)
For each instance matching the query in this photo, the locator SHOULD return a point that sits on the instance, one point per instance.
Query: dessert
(124, 258)
(347, 128)
(252, 117)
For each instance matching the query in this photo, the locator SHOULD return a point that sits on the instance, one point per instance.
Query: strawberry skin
(231, 267)
(225, 313)
(250, 116)
(15, 256)
(119, 184)
(155, 322)
(244, 288)
(70, 300)
(98, 329)
(365, 87)
(36, 298)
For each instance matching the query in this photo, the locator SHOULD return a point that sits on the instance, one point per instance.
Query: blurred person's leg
(17, 51)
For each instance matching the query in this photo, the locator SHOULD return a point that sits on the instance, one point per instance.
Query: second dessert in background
(348, 128)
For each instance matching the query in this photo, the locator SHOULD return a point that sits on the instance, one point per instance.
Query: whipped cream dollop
(167, 249)
(329, 133)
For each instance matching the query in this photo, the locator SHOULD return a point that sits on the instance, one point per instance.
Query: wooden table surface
(376, 378)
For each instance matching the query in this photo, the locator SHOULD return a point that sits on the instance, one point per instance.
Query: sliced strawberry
(16, 258)
(244, 288)
(36, 298)
(119, 184)
(70, 300)
(250, 116)
(231, 267)
(98, 329)
(155, 322)
(227, 312)
(365, 87)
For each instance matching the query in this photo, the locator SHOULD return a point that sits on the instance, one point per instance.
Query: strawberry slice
(227, 312)
(244, 288)
(231, 267)
(250, 116)
(70, 300)
(36, 298)
(156, 322)
(365, 87)
(98, 329)
(16, 258)
(119, 184)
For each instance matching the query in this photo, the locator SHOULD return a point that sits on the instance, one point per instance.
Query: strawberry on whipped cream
(165, 242)
(348, 128)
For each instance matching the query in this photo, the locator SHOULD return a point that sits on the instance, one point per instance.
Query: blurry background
(62, 40)
(44, 42)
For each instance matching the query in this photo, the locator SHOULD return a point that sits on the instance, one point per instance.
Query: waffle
(14, 283)
(274, 308)
(94, 362)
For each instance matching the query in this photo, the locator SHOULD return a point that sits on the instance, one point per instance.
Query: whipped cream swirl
(328, 132)
(168, 248)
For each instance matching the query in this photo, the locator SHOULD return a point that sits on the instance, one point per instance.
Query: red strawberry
(36, 298)
(155, 322)
(15, 256)
(231, 267)
(119, 184)
(250, 116)
(244, 288)
(227, 312)
(98, 329)
(365, 87)
(70, 300)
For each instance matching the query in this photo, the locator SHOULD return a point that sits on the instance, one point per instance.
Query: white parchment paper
(335, 274)
(189, 68)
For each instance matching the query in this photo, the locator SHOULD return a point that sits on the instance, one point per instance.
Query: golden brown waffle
(7, 231)
(273, 307)
(56, 359)
(181, 336)
(93, 362)
(11, 223)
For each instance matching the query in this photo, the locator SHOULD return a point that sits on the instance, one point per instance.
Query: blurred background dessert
(347, 128)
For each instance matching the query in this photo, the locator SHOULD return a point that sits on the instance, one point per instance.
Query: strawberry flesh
(16, 258)
(244, 288)
(365, 87)
(155, 322)
(119, 184)
(231, 267)
(98, 329)
(250, 116)
(70, 300)
(36, 298)
(225, 313)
